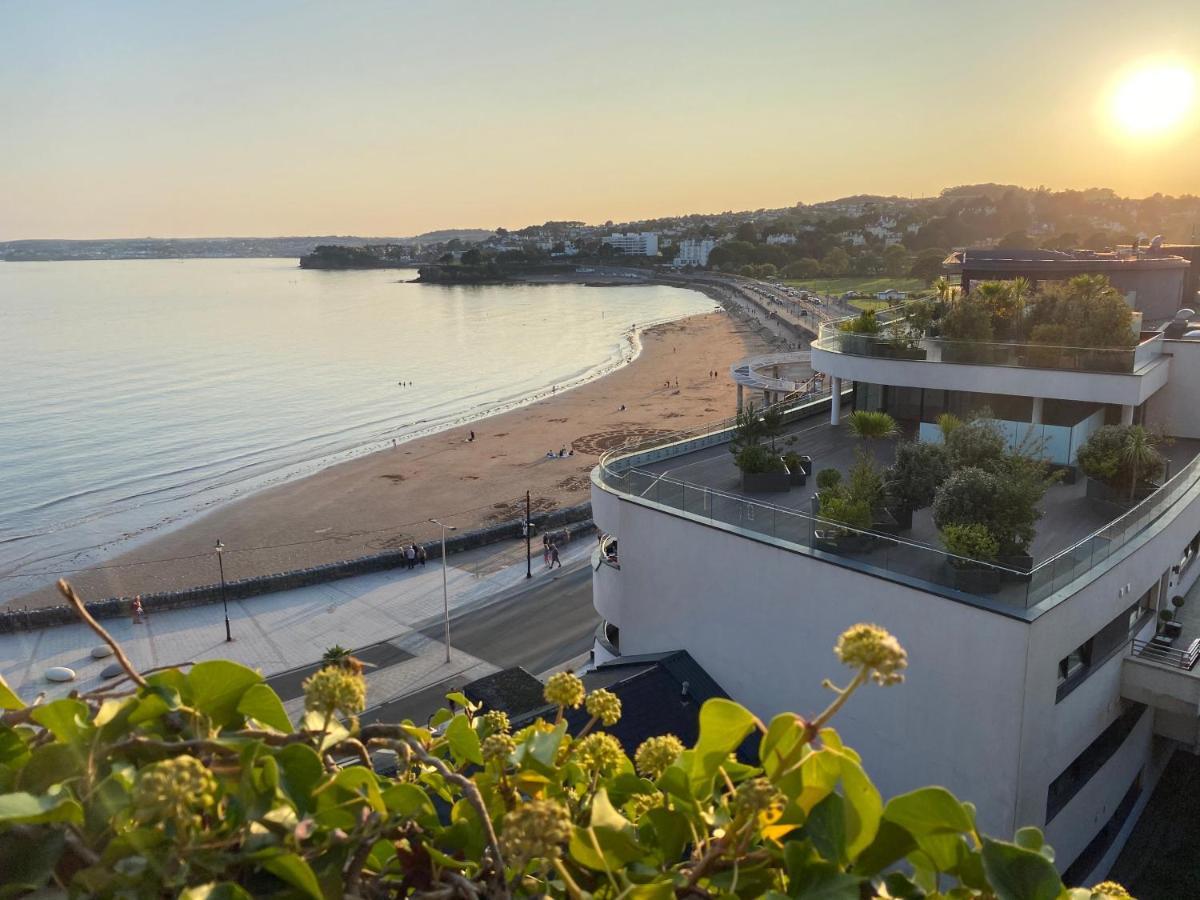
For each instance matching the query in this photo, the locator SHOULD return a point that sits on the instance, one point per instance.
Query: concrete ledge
(575, 519)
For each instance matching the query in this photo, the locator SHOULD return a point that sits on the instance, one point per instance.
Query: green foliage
(1121, 456)
(829, 480)
(946, 424)
(747, 430)
(792, 460)
(167, 790)
(967, 320)
(756, 459)
(1004, 499)
(864, 323)
(846, 510)
(971, 541)
(1088, 312)
(869, 425)
(865, 484)
(977, 443)
(915, 475)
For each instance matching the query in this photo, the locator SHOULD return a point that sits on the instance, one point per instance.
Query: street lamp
(221, 565)
(528, 538)
(445, 593)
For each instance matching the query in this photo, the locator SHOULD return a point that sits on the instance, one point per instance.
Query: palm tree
(1140, 452)
(870, 425)
(1020, 289)
(943, 288)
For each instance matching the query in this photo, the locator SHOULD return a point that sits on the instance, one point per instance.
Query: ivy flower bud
(605, 706)
(175, 791)
(498, 747)
(496, 722)
(564, 689)
(1110, 890)
(755, 796)
(874, 649)
(600, 752)
(535, 830)
(656, 754)
(335, 689)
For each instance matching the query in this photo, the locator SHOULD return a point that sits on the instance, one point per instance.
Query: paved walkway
(392, 613)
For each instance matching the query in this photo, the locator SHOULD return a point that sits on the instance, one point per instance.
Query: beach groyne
(575, 520)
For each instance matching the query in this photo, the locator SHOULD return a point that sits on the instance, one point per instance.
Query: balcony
(1095, 375)
(692, 474)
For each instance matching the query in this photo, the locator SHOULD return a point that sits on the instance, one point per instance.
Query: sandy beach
(385, 499)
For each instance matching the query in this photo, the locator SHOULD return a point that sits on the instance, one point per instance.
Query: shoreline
(354, 507)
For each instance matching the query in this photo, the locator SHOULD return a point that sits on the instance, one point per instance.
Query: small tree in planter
(1118, 459)
(912, 480)
(977, 443)
(762, 470)
(973, 546)
(1005, 502)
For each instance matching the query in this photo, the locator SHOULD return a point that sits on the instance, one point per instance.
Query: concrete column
(1037, 411)
(1126, 415)
(739, 400)
(835, 403)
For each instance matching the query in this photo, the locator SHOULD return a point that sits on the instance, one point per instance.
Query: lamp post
(220, 548)
(445, 592)
(528, 537)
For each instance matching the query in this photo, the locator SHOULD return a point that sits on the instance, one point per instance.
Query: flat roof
(1067, 261)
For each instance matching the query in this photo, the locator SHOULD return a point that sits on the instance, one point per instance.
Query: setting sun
(1153, 99)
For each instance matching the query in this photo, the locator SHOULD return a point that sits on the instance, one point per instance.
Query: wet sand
(385, 499)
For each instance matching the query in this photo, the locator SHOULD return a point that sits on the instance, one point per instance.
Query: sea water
(135, 394)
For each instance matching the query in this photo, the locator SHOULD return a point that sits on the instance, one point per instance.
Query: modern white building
(781, 239)
(1031, 691)
(693, 252)
(644, 243)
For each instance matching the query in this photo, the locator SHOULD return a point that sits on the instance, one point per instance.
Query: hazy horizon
(307, 119)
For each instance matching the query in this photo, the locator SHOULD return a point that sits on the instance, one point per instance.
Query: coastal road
(538, 625)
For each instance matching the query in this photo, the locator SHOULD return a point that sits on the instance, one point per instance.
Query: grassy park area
(869, 284)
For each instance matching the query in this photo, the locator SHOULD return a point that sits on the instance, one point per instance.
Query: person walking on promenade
(554, 560)
(137, 610)
(422, 556)
(410, 556)
(546, 551)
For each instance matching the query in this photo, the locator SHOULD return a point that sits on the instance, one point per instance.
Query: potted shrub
(838, 508)
(762, 470)
(1121, 463)
(1167, 626)
(913, 478)
(1004, 500)
(972, 546)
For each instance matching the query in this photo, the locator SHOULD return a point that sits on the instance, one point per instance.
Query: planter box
(1170, 630)
(831, 540)
(767, 482)
(798, 477)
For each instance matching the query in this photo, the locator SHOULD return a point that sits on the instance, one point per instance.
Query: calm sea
(137, 393)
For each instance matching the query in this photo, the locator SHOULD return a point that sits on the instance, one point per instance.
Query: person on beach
(471, 439)
(554, 556)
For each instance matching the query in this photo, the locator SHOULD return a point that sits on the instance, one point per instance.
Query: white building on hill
(643, 243)
(693, 252)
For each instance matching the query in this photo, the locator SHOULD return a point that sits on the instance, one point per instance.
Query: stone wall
(575, 519)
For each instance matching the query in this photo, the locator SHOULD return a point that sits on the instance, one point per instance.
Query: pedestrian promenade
(280, 632)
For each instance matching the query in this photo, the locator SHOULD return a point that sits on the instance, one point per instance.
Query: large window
(1072, 779)
(1076, 666)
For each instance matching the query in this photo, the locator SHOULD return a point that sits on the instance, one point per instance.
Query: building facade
(693, 252)
(1040, 692)
(644, 243)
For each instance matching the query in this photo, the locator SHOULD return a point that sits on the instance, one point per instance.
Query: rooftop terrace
(695, 474)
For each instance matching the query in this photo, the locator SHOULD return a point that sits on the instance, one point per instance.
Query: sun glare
(1153, 99)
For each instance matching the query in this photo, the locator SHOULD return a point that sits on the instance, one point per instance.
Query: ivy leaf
(300, 770)
(260, 702)
(226, 890)
(64, 718)
(826, 828)
(28, 858)
(783, 734)
(930, 810)
(410, 801)
(464, 742)
(1019, 874)
(891, 844)
(723, 726)
(21, 808)
(295, 871)
(217, 686)
(8, 698)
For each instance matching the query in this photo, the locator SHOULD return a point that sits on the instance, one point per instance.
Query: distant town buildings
(642, 243)
(781, 239)
(693, 252)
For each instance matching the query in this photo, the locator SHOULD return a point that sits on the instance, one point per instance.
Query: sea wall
(576, 520)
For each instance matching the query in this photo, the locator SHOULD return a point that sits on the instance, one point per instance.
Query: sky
(132, 119)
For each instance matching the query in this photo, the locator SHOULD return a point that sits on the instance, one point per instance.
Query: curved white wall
(1090, 387)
